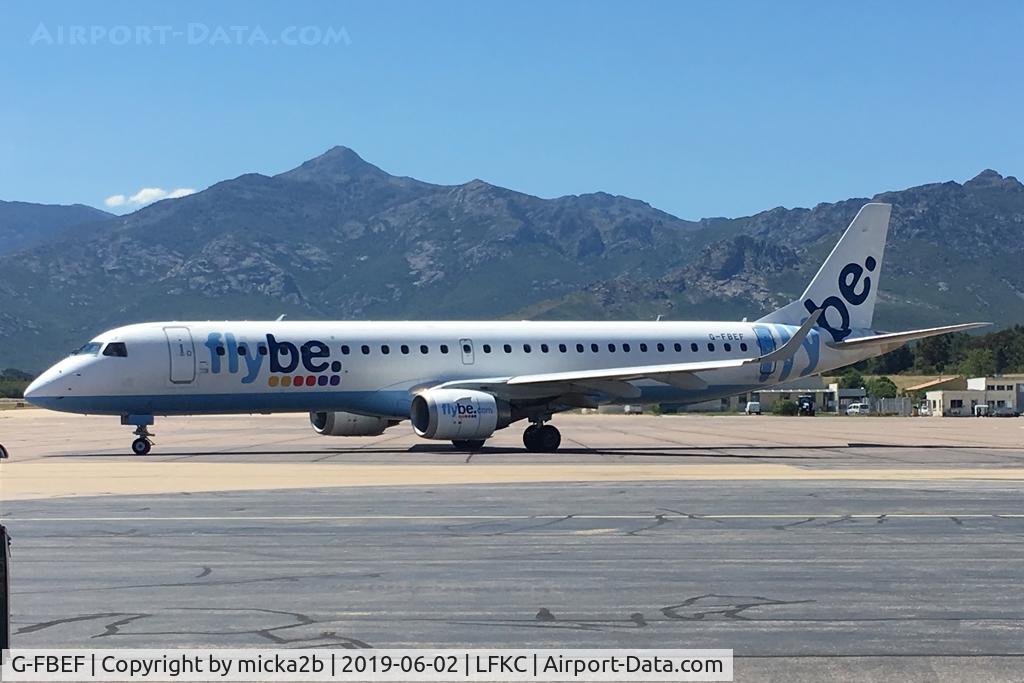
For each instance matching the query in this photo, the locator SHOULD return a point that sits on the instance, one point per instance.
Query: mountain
(24, 225)
(338, 237)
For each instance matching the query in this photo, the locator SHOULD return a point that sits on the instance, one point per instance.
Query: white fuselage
(375, 368)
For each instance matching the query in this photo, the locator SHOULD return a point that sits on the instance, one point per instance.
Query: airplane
(463, 381)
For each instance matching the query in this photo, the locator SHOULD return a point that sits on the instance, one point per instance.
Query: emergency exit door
(183, 354)
(466, 346)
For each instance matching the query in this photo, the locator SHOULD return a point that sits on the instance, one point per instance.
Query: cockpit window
(90, 349)
(116, 349)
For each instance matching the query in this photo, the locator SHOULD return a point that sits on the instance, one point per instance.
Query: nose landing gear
(542, 438)
(143, 443)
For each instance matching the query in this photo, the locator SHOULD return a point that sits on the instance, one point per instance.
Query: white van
(753, 408)
(858, 409)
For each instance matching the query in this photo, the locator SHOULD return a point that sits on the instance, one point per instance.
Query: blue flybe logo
(854, 286)
(297, 365)
(467, 410)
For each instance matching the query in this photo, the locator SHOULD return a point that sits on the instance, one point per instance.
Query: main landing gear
(542, 438)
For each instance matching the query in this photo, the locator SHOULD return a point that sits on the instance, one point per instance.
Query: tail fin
(846, 286)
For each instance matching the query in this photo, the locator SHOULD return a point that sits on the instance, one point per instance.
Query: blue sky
(700, 108)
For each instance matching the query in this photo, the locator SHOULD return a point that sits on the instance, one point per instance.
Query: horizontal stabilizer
(899, 338)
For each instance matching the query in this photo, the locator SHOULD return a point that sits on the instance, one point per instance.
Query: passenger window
(625, 347)
(365, 349)
(526, 348)
(385, 349)
(242, 351)
(711, 347)
(117, 349)
(424, 350)
(743, 346)
(507, 348)
(579, 348)
(543, 348)
(611, 347)
(444, 348)
(405, 349)
(487, 348)
(563, 348)
(643, 347)
(661, 347)
(728, 346)
(344, 349)
(593, 347)
(466, 348)
(262, 348)
(678, 347)
(693, 347)
(221, 351)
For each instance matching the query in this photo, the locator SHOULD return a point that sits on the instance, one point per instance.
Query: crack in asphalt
(270, 633)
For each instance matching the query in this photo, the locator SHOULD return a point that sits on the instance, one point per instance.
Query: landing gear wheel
(542, 438)
(141, 446)
(468, 444)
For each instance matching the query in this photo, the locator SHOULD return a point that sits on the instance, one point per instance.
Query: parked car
(633, 409)
(982, 410)
(753, 408)
(1005, 411)
(858, 409)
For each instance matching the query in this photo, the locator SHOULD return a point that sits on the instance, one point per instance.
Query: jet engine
(458, 414)
(348, 424)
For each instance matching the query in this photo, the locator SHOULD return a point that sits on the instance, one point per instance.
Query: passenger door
(466, 346)
(183, 354)
(766, 344)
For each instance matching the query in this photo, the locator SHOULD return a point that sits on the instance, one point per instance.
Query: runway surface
(830, 570)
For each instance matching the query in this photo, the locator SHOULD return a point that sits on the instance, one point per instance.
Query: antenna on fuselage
(658, 319)
(281, 317)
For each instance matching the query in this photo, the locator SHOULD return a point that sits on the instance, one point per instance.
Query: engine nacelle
(348, 424)
(458, 414)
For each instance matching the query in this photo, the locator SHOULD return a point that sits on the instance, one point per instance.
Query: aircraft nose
(34, 390)
(43, 387)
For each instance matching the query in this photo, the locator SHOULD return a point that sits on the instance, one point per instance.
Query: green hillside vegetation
(13, 383)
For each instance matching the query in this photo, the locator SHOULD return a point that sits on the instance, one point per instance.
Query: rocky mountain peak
(990, 178)
(337, 165)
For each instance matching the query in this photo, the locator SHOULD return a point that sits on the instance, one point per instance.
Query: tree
(785, 408)
(881, 387)
(979, 363)
(892, 363)
(851, 379)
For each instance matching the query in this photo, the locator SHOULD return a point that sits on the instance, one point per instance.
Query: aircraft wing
(900, 338)
(615, 380)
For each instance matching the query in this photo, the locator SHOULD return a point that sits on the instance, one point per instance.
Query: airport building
(1000, 391)
(828, 398)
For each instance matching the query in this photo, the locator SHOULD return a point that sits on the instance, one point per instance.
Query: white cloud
(147, 195)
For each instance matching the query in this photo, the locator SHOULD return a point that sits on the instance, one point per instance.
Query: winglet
(790, 348)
